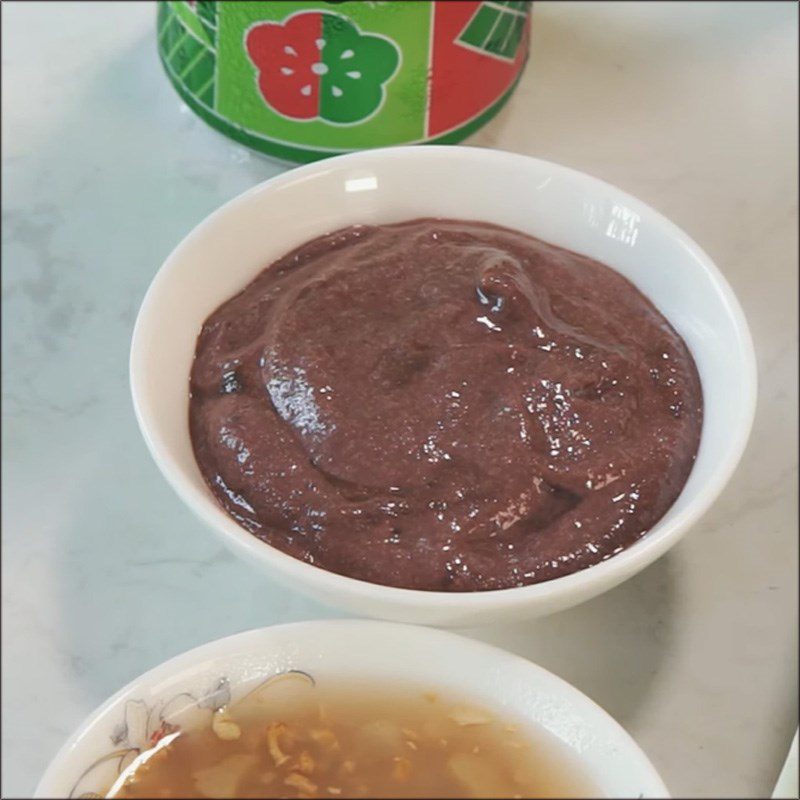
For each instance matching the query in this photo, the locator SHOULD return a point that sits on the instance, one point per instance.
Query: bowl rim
(244, 642)
(612, 571)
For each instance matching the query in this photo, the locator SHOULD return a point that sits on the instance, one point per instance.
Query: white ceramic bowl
(554, 203)
(352, 649)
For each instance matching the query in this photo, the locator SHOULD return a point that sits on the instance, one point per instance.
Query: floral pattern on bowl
(145, 724)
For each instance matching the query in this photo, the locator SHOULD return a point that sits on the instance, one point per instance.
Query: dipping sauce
(343, 741)
(443, 405)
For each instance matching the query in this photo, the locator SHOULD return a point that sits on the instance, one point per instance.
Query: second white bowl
(397, 655)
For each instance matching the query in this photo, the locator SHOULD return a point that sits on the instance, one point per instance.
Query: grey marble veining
(105, 573)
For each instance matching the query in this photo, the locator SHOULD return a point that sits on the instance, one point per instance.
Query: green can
(305, 80)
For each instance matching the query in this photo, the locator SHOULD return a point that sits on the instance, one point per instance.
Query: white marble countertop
(691, 107)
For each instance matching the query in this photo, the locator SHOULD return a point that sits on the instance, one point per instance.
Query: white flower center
(319, 68)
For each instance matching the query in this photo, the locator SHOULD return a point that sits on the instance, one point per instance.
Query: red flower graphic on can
(319, 65)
